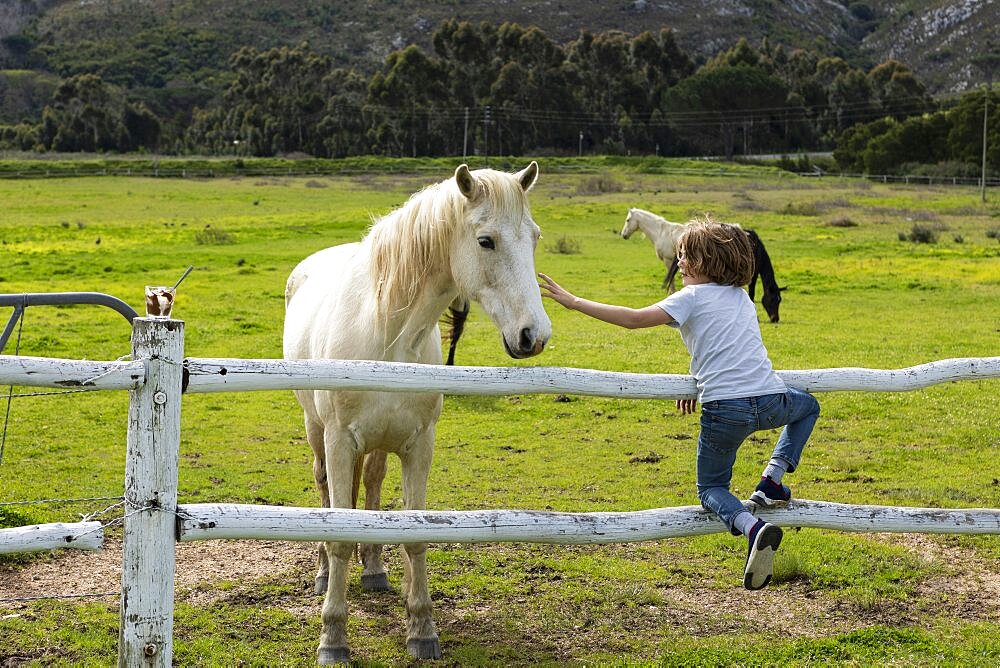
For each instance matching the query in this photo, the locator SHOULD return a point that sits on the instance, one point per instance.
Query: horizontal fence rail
(239, 375)
(62, 373)
(210, 521)
(40, 537)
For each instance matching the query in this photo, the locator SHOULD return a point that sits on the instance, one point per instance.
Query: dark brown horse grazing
(761, 267)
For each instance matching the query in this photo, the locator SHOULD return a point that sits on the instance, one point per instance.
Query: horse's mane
(650, 214)
(657, 217)
(413, 242)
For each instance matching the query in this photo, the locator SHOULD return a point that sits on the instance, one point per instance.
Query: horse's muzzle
(528, 344)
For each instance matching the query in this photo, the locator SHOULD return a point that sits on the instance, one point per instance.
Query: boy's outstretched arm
(623, 316)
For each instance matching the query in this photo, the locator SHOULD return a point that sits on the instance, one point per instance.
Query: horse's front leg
(421, 636)
(341, 451)
(373, 576)
(314, 434)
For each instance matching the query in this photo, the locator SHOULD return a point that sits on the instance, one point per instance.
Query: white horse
(380, 299)
(662, 233)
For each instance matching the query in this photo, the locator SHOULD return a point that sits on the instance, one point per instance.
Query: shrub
(602, 183)
(921, 234)
(800, 209)
(565, 246)
(211, 236)
(842, 221)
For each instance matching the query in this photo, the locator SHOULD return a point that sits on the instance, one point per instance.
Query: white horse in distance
(380, 299)
(662, 233)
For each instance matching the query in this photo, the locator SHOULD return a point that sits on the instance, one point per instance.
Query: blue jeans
(725, 425)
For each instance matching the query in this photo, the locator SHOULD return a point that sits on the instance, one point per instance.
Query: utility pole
(486, 135)
(986, 106)
(465, 138)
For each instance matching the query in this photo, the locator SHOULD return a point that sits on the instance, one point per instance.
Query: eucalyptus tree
(533, 94)
(85, 114)
(404, 101)
(852, 99)
(660, 63)
(710, 107)
(898, 92)
(966, 135)
(344, 124)
(273, 105)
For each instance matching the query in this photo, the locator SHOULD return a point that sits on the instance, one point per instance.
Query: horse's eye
(487, 242)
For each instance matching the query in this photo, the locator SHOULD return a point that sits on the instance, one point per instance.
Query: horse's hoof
(424, 648)
(375, 582)
(321, 584)
(329, 656)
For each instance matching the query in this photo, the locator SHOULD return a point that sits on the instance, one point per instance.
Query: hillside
(934, 37)
(937, 39)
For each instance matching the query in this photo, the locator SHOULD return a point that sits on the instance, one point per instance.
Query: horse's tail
(458, 312)
(295, 280)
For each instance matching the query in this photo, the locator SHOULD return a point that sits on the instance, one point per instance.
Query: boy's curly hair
(721, 252)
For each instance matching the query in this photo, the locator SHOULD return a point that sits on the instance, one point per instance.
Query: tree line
(508, 89)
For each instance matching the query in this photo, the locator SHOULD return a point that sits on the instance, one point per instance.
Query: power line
(907, 106)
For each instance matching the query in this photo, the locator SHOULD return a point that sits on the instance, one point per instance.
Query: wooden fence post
(154, 427)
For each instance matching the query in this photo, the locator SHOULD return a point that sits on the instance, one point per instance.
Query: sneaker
(770, 494)
(764, 540)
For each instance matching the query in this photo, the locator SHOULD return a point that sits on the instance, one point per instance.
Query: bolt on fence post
(154, 426)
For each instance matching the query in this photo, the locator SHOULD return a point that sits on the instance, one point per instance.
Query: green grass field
(857, 296)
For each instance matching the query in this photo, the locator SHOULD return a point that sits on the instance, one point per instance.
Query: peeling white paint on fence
(239, 375)
(211, 521)
(243, 375)
(52, 536)
(71, 374)
(145, 636)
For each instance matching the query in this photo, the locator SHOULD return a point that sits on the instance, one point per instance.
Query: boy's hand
(686, 406)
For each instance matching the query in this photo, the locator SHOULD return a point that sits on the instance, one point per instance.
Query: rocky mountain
(936, 38)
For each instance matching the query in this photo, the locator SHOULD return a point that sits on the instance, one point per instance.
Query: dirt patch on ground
(75, 573)
(967, 585)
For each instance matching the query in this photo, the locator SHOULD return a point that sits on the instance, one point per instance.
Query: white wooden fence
(158, 375)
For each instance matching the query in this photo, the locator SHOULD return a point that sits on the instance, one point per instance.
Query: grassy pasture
(857, 296)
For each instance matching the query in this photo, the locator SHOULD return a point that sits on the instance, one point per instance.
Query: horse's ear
(466, 182)
(527, 176)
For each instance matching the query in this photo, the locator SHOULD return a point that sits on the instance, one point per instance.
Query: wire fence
(334, 170)
(119, 503)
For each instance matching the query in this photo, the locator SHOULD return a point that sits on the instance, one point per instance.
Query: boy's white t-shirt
(718, 324)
